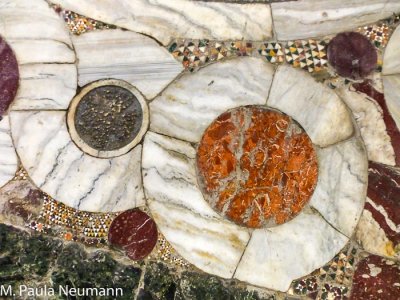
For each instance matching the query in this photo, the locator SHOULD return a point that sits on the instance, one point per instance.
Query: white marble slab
(8, 157)
(391, 86)
(45, 86)
(63, 171)
(44, 52)
(166, 19)
(199, 234)
(391, 62)
(127, 56)
(369, 118)
(316, 107)
(308, 18)
(342, 184)
(278, 255)
(189, 105)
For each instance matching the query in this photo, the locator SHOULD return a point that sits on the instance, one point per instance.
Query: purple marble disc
(352, 55)
(9, 76)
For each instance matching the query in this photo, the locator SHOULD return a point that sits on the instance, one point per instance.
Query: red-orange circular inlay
(256, 166)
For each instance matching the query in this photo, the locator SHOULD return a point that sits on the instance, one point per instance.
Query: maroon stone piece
(352, 55)
(9, 76)
(376, 278)
(384, 191)
(135, 232)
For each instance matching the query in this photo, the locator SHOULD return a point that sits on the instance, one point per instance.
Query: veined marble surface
(391, 62)
(199, 234)
(369, 119)
(310, 18)
(8, 157)
(278, 255)
(316, 107)
(342, 184)
(44, 52)
(68, 175)
(166, 19)
(391, 86)
(189, 105)
(125, 55)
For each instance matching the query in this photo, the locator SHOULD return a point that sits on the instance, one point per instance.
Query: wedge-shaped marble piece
(278, 255)
(67, 174)
(125, 55)
(369, 118)
(44, 52)
(46, 86)
(8, 157)
(316, 107)
(305, 19)
(391, 86)
(391, 63)
(166, 19)
(189, 105)
(342, 184)
(199, 234)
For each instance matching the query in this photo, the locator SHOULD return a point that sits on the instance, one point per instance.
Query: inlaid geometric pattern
(195, 53)
(273, 52)
(309, 55)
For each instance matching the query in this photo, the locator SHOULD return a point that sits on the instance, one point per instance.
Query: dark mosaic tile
(352, 55)
(308, 55)
(273, 150)
(108, 117)
(376, 278)
(9, 76)
(135, 232)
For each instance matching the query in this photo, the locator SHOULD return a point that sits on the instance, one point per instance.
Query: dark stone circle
(9, 76)
(135, 232)
(352, 55)
(108, 118)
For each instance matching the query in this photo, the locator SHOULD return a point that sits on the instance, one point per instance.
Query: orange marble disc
(256, 166)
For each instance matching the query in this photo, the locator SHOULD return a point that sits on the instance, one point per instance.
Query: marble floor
(167, 146)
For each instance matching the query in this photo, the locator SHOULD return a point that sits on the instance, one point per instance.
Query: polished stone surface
(8, 157)
(256, 166)
(352, 55)
(9, 76)
(135, 232)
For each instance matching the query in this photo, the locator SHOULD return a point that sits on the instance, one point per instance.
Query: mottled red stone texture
(256, 166)
(391, 127)
(352, 55)
(9, 76)
(376, 278)
(384, 191)
(135, 232)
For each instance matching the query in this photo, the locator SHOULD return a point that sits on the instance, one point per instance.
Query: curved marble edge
(313, 105)
(278, 255)
(342, 184)
(64, 172)
(42, 44)
(304, 19)
(391, 87)
(193, 228)
(136, 59)
(166, 19)
(391, 63)
(373, 130)
(8, 156)
(189, 105)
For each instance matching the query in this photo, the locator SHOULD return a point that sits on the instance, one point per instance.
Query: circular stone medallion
(108, 118)
(256, 166)
(135, 232)
(9, 76)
